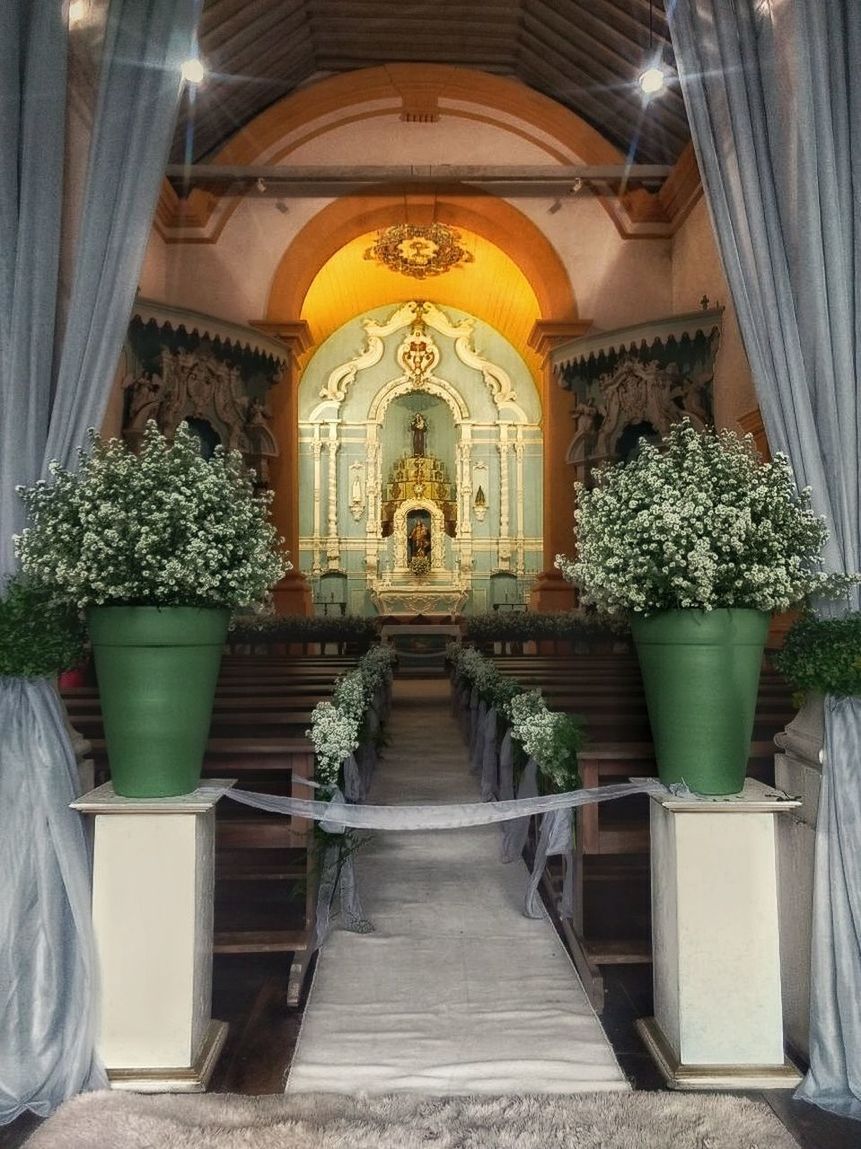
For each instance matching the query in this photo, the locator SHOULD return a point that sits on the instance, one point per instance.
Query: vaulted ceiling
(585, 54)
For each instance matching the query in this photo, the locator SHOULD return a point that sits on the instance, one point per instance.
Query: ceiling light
(193, 70)
(652, 80)
(79, 12)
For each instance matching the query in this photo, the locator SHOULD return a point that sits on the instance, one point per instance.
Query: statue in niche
(586, 415)
(419, 428)
(419, 535)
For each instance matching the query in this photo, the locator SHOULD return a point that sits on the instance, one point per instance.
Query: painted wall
(317, 495)
(697, 271)
(616, 281)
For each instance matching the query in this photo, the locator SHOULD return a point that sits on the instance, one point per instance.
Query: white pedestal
(718, 1020)
(153, 882)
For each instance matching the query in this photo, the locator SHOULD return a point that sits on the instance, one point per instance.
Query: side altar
(419, 572)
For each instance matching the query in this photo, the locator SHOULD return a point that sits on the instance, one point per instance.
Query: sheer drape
(47, 972)
(773, 94)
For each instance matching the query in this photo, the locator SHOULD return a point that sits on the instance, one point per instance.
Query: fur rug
(331, 1121)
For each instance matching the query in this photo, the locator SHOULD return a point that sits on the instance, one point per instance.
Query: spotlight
(261, 185)
(79, 13)
(652, 81)
(193, 70)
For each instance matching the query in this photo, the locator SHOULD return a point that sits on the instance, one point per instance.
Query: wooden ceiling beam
(246, 52)
(620, 54)
(609, 108)
(215, 34)
(563, 74)
(638, 27)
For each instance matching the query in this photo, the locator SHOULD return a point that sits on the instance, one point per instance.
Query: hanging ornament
(419, 251)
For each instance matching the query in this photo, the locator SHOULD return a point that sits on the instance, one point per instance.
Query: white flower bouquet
(165, 527)
(335, 735)
(351, 695)
(698, 521)
(550, 737)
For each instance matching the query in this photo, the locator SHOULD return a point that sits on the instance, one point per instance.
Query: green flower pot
(157, 668)
(701, 679)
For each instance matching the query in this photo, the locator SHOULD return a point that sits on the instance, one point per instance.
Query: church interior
(427, 267)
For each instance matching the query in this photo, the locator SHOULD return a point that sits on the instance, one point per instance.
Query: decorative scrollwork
(419, 252)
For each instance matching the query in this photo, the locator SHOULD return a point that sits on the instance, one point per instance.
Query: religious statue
(419, 427)
(420, 540)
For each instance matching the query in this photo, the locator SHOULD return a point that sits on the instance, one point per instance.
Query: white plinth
(718, 1020)
(153, 882)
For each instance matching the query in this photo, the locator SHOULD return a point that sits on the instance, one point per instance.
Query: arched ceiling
(492, 287)
(584, 54)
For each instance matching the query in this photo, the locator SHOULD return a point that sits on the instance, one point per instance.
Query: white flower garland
(550, 737)
(336, 726)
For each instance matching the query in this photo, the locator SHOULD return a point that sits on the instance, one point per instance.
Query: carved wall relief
(637, 383)
(200, 385)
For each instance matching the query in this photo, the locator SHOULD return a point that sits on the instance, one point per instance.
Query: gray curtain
(48, 992)
(773, 94)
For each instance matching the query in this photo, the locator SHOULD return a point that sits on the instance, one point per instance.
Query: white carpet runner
(456, 992)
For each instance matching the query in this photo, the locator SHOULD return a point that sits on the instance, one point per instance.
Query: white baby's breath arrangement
(337, 726)
(375, 667)
(335, 735)
(164, 527)
(480, 671)
(549, 736)
(351, 694)
(698, 521)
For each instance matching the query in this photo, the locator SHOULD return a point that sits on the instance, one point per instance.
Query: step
(261, 941)
(634, 951)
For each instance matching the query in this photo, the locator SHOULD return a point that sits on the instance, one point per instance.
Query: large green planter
(701, 679)
(157, 668)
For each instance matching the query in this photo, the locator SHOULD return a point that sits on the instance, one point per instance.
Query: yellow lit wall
(492, 287)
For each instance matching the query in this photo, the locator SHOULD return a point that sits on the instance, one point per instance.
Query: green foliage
(823, 655)
(528, 626)
(161, 527)
(39, 635)
(299, 628)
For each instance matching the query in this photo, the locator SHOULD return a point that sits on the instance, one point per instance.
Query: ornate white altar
(473, 470)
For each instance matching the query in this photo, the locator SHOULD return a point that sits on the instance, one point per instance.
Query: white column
(373, 495)
(464, 482)
(504, 448)
(317, 447)
(333, 555)
(153, 881)
(519, 495)
(718, 1020)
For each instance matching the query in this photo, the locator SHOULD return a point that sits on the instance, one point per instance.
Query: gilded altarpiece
(393, 434)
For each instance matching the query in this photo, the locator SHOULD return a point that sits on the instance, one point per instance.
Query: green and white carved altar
(417, 423)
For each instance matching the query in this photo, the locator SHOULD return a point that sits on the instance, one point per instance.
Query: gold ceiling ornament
(419, 251)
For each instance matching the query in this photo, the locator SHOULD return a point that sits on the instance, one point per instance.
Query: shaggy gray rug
(332, 1121)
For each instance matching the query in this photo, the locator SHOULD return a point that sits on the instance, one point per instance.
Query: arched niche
(400, 535)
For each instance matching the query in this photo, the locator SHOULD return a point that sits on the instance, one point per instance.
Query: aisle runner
(456, 991)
